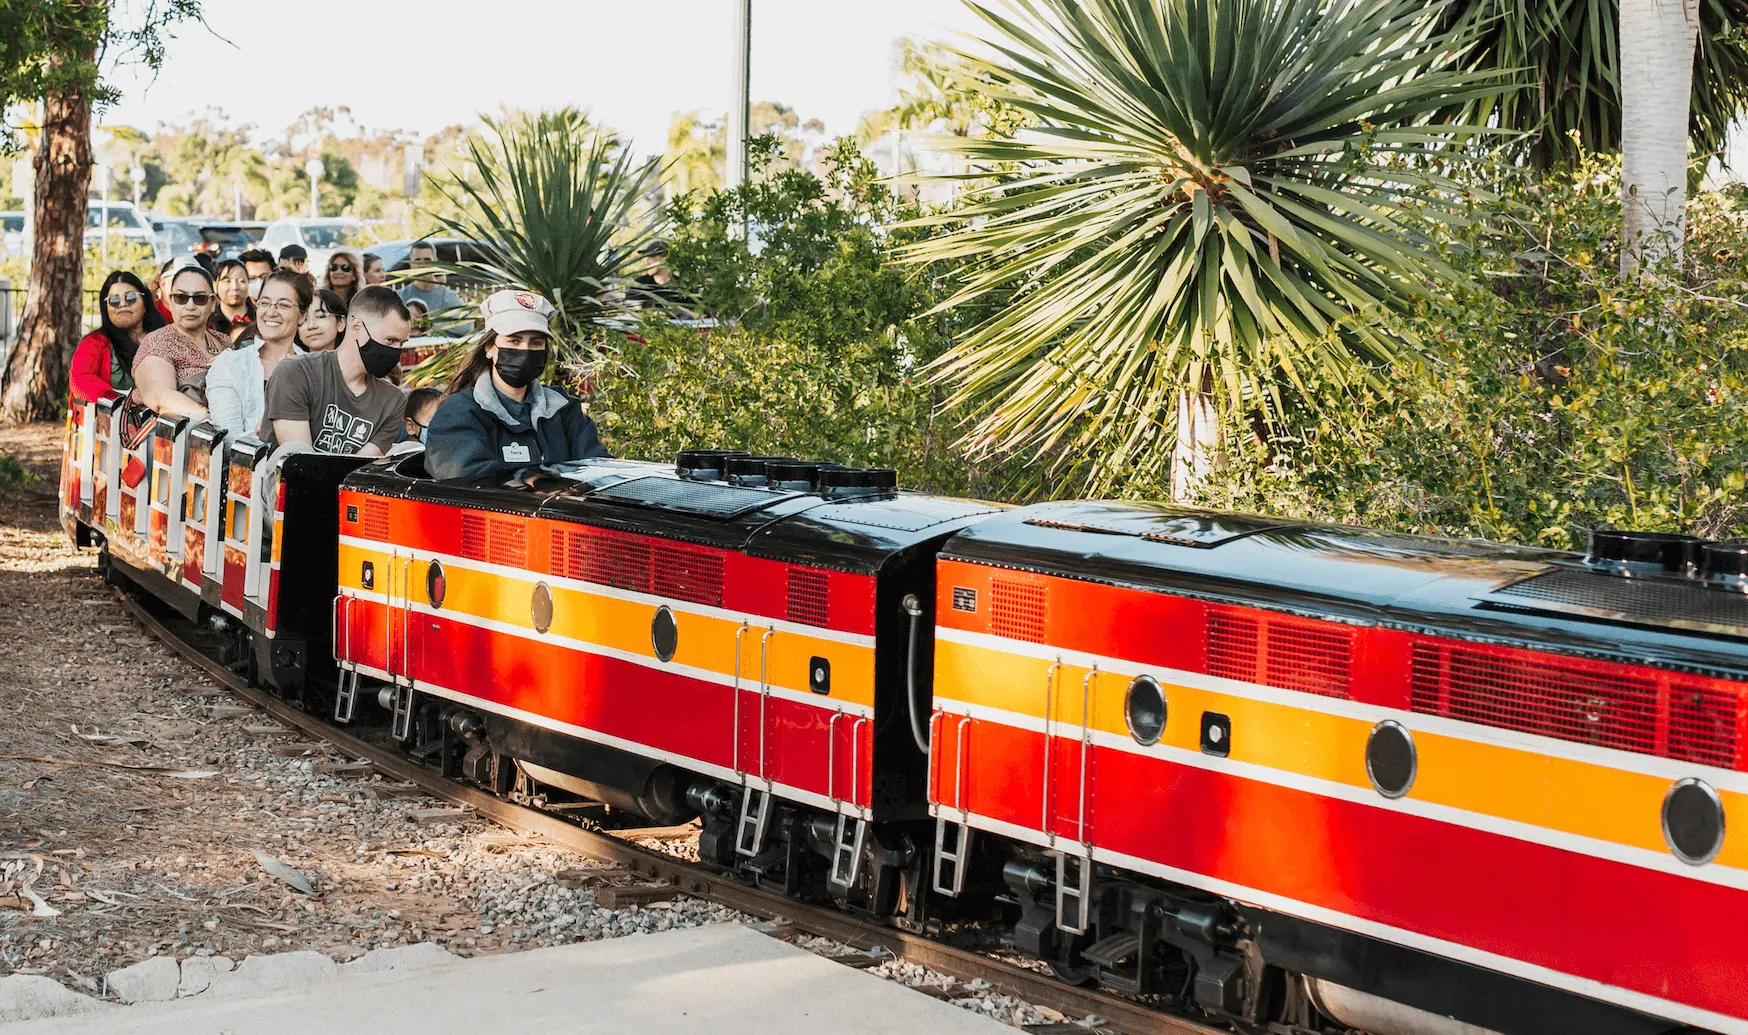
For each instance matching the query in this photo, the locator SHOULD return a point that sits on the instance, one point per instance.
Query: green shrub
(1558, 398)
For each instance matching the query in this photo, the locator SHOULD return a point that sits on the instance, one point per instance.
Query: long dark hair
(119, 341)
(477, 363)
(219, 321)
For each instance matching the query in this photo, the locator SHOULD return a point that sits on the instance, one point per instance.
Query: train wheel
(1069, 974)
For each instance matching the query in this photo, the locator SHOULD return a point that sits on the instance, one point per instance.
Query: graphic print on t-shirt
(342, 432)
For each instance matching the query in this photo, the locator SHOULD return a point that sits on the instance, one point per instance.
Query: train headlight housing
(1144, 710)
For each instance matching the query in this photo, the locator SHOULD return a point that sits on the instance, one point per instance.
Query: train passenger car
(729, 637)
(195, 520)
(1209, 751)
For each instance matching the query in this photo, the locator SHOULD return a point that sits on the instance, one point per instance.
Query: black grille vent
(704, 498)
(1662, 602)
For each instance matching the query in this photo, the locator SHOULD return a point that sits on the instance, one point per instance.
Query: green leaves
(1565, 56)
(552, 208)
(1208, 202)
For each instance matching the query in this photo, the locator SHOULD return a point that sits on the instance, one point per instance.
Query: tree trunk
(1198, 443)
(1657, 40)
(35, 382)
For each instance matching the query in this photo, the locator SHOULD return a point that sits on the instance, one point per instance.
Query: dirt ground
(102, 865)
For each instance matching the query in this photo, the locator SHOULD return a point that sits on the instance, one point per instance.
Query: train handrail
(1049, 696)
(1085, 743)
(831, 751)
(961, 740)
(735, 699)
(764, 696)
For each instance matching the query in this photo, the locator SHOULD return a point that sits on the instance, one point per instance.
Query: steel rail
(1118, 1014)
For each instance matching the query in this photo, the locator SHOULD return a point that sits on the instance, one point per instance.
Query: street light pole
(313, 169)
(740, 114)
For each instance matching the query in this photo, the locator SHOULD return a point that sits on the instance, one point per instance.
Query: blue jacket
(473, 437)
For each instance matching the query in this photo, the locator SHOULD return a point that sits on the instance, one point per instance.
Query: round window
(1144, 710)
(1391, 762)
(435, 584)
(1693, 822)
(664, 633)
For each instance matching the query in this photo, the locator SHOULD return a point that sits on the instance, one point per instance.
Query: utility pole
(741, 111)
(313, 169)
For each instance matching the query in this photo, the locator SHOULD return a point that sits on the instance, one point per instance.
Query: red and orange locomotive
(1279, 771)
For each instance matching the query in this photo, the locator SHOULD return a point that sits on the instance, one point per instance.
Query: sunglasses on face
(184, 298)
(341, 267)
(123, 299)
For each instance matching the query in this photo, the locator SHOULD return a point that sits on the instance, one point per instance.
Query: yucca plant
(553, 208)
(1567, 53)
(1206, 214)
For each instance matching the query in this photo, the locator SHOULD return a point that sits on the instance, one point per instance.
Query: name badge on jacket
(516, 453)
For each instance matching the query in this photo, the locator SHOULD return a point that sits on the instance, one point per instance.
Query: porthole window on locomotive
(1391, 761)
(1144, 710)
(435, 584)
(664, 633)
(540, 608)
(1693, 821)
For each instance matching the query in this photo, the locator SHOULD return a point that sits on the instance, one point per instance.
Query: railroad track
(1120, 1015)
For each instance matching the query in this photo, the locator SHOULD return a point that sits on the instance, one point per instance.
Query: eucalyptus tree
(1206, 214)
(1656, 66)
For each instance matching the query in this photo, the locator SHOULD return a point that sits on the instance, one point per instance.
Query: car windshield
(119, 218)
(331, 236)
(225, 235)
(181, 235)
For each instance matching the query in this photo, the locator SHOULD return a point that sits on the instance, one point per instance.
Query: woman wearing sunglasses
(344, 275)
(170, 365)
(104, 361)
(236, 385)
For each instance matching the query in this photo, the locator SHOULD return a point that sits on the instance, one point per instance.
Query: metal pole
(103, 174)
(740, 113)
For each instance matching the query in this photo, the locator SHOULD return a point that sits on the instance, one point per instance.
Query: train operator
(341, 401)
(499, 423)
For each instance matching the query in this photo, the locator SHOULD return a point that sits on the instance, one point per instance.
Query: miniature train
(1281, 772)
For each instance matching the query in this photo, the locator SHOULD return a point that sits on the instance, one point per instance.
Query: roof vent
(1643, 554)
(844, 483)
(792, 475)
(704, 465)
(749, 471)
(1725, 566)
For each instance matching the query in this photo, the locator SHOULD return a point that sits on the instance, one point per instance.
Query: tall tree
(1204, 216)
(1656, 62)
(55, 51)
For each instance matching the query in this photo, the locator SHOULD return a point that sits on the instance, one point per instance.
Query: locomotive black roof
(857, 534)
(1456, 587)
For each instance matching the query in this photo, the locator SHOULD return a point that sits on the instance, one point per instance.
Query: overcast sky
(425, 65)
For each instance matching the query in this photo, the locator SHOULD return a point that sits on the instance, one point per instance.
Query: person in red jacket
(104, 360)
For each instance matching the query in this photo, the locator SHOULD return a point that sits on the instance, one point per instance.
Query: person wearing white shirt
(236, 384)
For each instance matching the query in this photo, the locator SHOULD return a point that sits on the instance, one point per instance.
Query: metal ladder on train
(952, 858)
(755, 812)
(346, 694)
(1079, 894)
(847, 845)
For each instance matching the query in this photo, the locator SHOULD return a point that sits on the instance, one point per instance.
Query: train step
(1108, 952)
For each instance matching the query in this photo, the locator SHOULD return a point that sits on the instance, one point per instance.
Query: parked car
(319, 237)
(11, 234)
(221, 239)
(396, 255)
(125, 224)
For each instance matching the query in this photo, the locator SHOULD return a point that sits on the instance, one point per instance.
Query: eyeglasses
(278, 305)
(340, 267)
(125, 298)
(184, 298)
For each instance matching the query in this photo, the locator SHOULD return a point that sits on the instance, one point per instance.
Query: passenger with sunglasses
(236, 385)
(103, 362)
(344, 275)
(171, 363)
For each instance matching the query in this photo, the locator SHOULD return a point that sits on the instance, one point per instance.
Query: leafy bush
(1558, 397)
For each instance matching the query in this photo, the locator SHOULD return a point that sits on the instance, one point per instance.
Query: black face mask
(520, 367)
(378, 358)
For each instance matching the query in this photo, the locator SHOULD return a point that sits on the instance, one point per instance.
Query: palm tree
(1568, 54)
(1207, 213)
(1656, 64)
(553, 208)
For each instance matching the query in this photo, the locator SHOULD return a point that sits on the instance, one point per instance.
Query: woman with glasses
(171, 363)
(236, 385)
(235, 312)
(324, 323)
(104, 361)
(345, 274)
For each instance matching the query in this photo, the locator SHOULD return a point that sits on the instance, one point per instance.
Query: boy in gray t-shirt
(340, 401)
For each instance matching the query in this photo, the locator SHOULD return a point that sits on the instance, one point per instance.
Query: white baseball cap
(510, 311)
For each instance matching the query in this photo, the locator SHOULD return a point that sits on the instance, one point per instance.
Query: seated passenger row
(495, 424)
